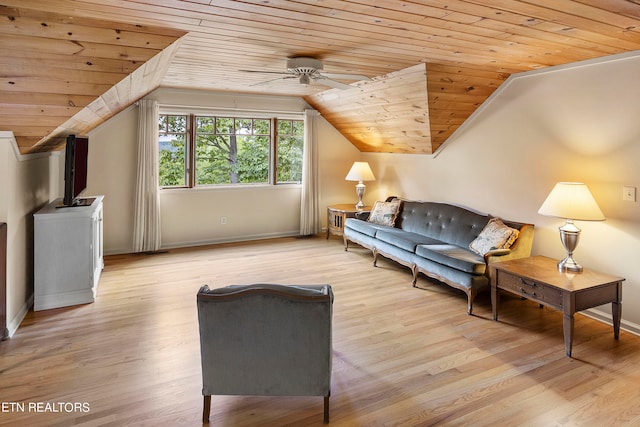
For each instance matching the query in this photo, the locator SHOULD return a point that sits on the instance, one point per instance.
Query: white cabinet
(68, 255)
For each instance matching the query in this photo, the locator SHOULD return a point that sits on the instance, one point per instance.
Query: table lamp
(571, 201)
(360, 171)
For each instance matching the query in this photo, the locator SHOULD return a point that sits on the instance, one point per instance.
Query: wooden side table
(538, 279)
(338, 214)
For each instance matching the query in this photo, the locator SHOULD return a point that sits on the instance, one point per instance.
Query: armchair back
(266, 339)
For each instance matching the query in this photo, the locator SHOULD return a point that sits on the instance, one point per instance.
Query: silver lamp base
(569, 264)
(569, 235)
(360, 187)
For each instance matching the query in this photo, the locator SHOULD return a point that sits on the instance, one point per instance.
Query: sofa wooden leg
(470, 297)
(414, 273)
(326, 409)
(375, 257)
(206, 409)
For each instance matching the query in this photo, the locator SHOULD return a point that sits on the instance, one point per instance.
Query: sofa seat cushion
(453, 256)
(404, 239)
(367, 228)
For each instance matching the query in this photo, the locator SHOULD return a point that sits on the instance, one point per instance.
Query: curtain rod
(254, 110)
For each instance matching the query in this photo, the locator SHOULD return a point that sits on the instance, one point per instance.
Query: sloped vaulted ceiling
(57, 57)
(413, 110)
(66, 74)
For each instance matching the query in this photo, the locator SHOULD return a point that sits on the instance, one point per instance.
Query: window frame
(190, 145)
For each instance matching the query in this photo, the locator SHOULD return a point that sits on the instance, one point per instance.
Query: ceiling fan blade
(332, 83)
(265, 72)
(266, 82)
(345, 76)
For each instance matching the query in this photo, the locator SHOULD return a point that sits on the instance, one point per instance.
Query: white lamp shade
(360, 171)
(571, 200)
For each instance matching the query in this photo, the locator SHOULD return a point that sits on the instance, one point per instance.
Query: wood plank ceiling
(65, 63)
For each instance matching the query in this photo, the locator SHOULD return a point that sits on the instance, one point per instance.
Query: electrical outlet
(629, 193)
(223, 220)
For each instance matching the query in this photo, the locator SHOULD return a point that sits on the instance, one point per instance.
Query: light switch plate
(629, 193)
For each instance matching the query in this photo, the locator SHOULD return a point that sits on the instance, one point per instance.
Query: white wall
(26, 190)
(193, 216)
(569, 123)
(111, 169)
(577, 123)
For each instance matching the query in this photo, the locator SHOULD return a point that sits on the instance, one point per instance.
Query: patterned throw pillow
(385, 213)
(495, 235)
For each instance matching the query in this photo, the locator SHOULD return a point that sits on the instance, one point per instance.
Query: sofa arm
(495, 255)
(364, 215)
(521, 248)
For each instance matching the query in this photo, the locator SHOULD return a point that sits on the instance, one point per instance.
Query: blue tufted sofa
(433, 239)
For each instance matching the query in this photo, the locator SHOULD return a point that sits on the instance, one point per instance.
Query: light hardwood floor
(402, 356)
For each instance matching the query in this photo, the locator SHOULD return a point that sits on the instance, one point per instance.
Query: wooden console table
(337, 215)
(538, 279)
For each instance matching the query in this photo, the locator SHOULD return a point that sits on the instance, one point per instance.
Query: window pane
(172, 160)
(177, 124)
(224, 125)
(253, 159)
(172, 141)
(212, 160)
(205, 124)
(231, 159)
(298, 127)
(262, 127)
(243, 127)
(289, 151)
(232, 155)
(284, 127)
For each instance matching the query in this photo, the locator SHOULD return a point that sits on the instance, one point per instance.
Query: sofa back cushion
(447, 223)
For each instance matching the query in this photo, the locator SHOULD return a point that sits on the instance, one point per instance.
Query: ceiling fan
(309, 70)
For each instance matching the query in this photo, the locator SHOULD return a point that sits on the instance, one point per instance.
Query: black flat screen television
(75, 170)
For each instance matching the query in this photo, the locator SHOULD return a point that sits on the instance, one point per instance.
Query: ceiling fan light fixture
(309, 71)
(302, 62)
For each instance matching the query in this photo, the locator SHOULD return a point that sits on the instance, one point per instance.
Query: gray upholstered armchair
(267, 340)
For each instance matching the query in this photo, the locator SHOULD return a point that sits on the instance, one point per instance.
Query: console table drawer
(530, 289)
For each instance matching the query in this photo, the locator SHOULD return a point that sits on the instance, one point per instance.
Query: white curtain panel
(146, 224)
(310, 200)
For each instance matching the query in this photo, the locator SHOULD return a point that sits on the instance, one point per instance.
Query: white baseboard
(14, 323)
(64, 299)
(229, 240)
(189, 243)
(606, 318)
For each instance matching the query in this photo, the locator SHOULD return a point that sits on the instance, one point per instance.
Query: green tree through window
(172, 141)
(289, 150)
(229, 150)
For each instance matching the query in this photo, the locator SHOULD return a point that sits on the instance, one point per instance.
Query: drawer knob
(529, 284)
(524, 292)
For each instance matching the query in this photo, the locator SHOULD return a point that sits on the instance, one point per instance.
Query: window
(229, 150)
(289, 150)
(173, 150)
